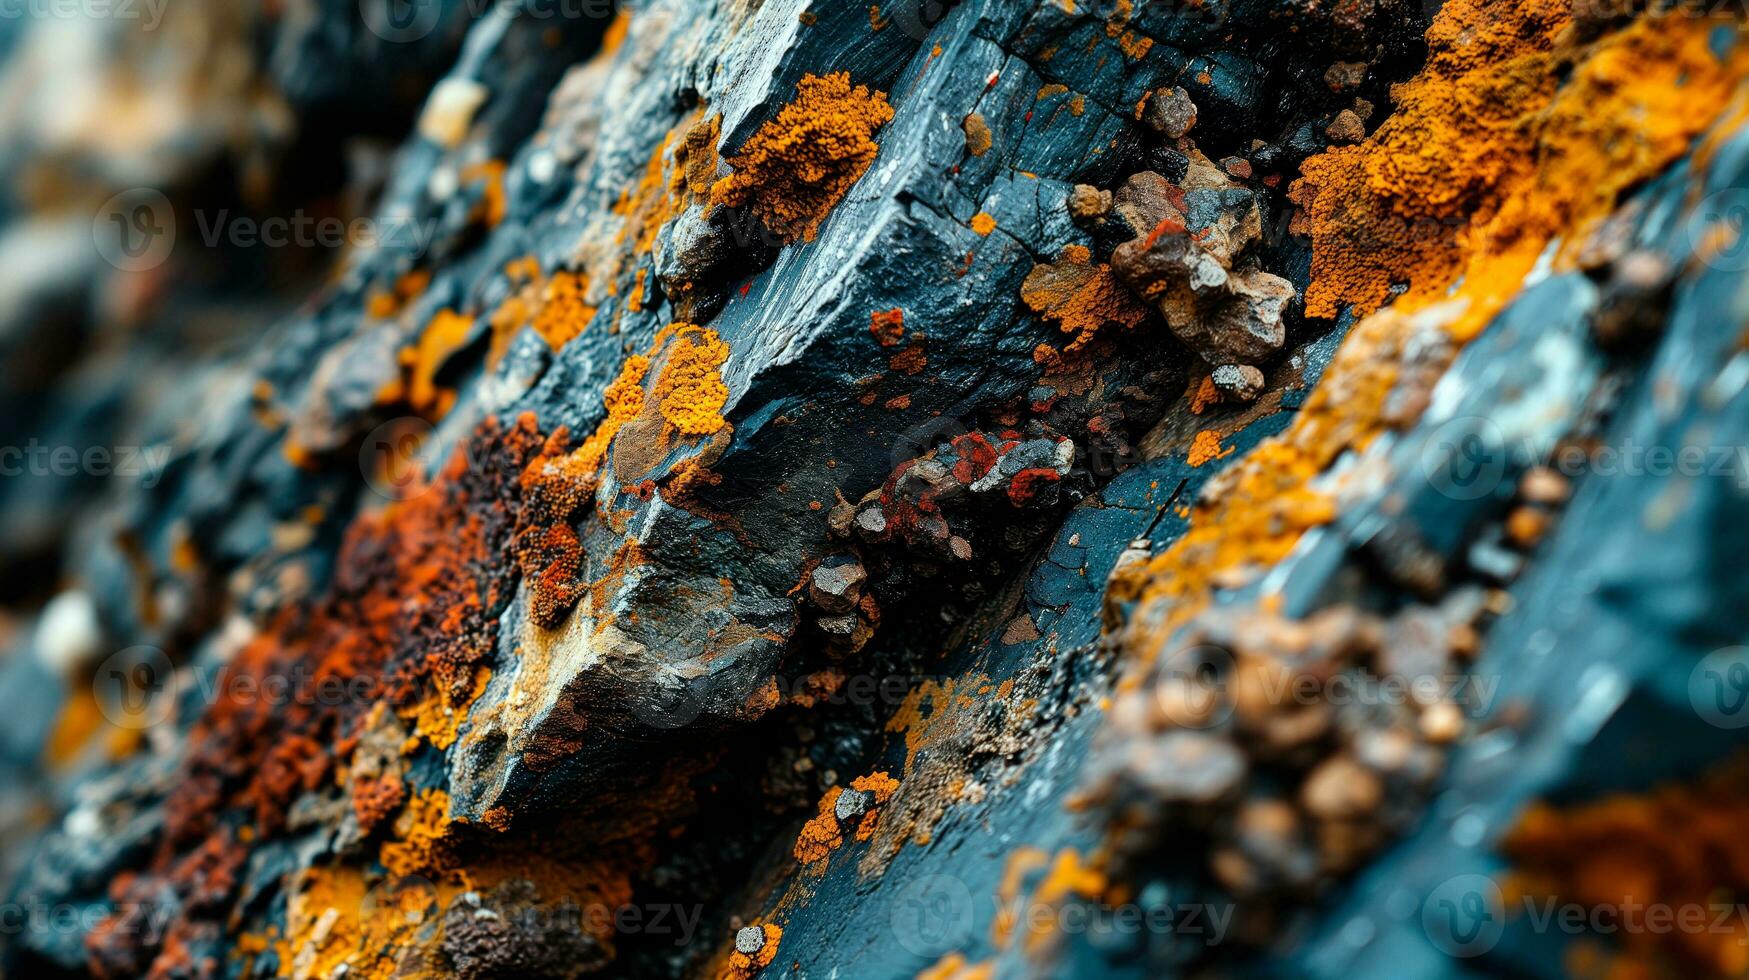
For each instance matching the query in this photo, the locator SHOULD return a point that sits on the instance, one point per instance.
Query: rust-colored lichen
(1081, 297)
(797, 167)
(888, 326)
(1680, 847)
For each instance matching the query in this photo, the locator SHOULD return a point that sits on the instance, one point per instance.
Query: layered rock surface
(791, 487)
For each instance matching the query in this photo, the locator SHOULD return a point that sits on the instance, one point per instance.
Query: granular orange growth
(690, 391)
(1488, 137)
(744, 965)
(420, 832)
(881, 788)
(888, 326)
(820, 835)
(1680, 846)
(797, 167)
(983, 223)
(443, 336)
(1490, 156)
(557, 485)
(1207, 446)
(563, 312)
(1080, 297)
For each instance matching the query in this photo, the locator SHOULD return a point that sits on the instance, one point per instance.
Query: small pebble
(1171, 113)
(1346, 128)
(851, 805)
(1240, 382)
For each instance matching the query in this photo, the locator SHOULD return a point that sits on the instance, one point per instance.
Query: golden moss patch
(797, 167)
(690, 391)
(1489, 156)
(1549, 160)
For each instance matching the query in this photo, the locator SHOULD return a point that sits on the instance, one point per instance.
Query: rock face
(988, 488)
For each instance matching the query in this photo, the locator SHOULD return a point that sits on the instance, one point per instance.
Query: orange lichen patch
(797, 167)
(443, 336)
(978, 138)
(1022, 861)
(881, 788)
(1134, 45)
(1549, 168)
(743, 965)
(954, 966)
(677, 174)
(331, 897)
(249, 757)
(820, 836)
(79, 722)
(437, 716)
(564, 311)
(911, 360)
(888, 326)
(1207, 447)
(1206, 394)
(1080, 297)
(421, 845)
(1261, 506)
(1067, 879)
(690, 392)
(1680, 846)
(983, 223)
(375, 798)
(1490, 156)
(493, 205)
(386, 303)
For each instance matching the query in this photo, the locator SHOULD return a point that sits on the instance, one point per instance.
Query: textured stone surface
(793, 488)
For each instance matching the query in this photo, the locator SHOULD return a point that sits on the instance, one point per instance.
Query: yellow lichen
(797, 167)
(690, 391)
(1490, 155)
(1206, 447)
(420, 833)
(444, 335)
(1488, 137)
(564, 312)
